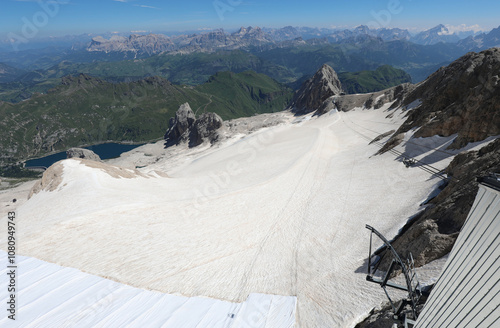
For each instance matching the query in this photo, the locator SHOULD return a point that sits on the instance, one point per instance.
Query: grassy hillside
(370, 81)
(86, 110)
(9, 73)
(243, 93)
(191, 69)
(286, 65)
(415, 59)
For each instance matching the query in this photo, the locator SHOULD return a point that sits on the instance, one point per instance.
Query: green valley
(86, 110)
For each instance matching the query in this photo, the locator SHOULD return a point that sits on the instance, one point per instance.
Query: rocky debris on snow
(384, 316)
(185, 128)
(382, 136)
(247, 125)
(462, 98)
(311, 95)
(82, 153)
(433, 232)
(376, 100)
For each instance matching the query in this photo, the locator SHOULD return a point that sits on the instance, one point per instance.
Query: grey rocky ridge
(159, 43)
(315, 91)
(462, 98)
(180, 124)
(462, 101)
(247, 37)
(185, 128)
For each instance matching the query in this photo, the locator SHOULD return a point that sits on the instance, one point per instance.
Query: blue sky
(62, 17)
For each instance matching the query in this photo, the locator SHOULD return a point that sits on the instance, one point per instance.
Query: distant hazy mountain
(9, 74)
(283, 34)
(244, 38)
(149, 44)
(158, 43)
(482, 41)
(435, 35)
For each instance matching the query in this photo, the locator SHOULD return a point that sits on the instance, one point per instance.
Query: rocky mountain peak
(185, 127)
(151, 43)
(439, 33)
(180, 124)
(80, 79)
(462, 98)
(362, 29)
(324, 84)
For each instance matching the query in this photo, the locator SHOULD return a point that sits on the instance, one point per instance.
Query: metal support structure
(412, 285)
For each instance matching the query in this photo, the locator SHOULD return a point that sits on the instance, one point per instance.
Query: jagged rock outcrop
(184, 127)
(205, 129)
(310, 97)
(81, 80)
(82, 153)
(432, 233)
(462, 98)
(158, 43)
(375, 100)
(180, 124)
(482, 41)
(148, 44)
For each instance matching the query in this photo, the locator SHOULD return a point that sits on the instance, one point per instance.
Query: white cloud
(144, 6)
(463, 28)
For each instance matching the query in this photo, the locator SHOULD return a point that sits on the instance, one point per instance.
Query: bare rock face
(432, 234)
(180, 125)
(186, 128)
(462, 98)
(396, 95)
(149, 44)
(51, 179)
(205, 128)
(82, 153)
(310, 97)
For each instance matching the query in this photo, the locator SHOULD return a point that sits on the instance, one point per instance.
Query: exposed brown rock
(51, 179)
(462, 98)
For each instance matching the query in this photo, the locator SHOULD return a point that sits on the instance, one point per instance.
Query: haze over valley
(217, 164)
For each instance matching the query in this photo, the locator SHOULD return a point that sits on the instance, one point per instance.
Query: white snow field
(281, 211)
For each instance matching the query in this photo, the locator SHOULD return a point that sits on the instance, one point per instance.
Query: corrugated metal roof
(467, 293)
